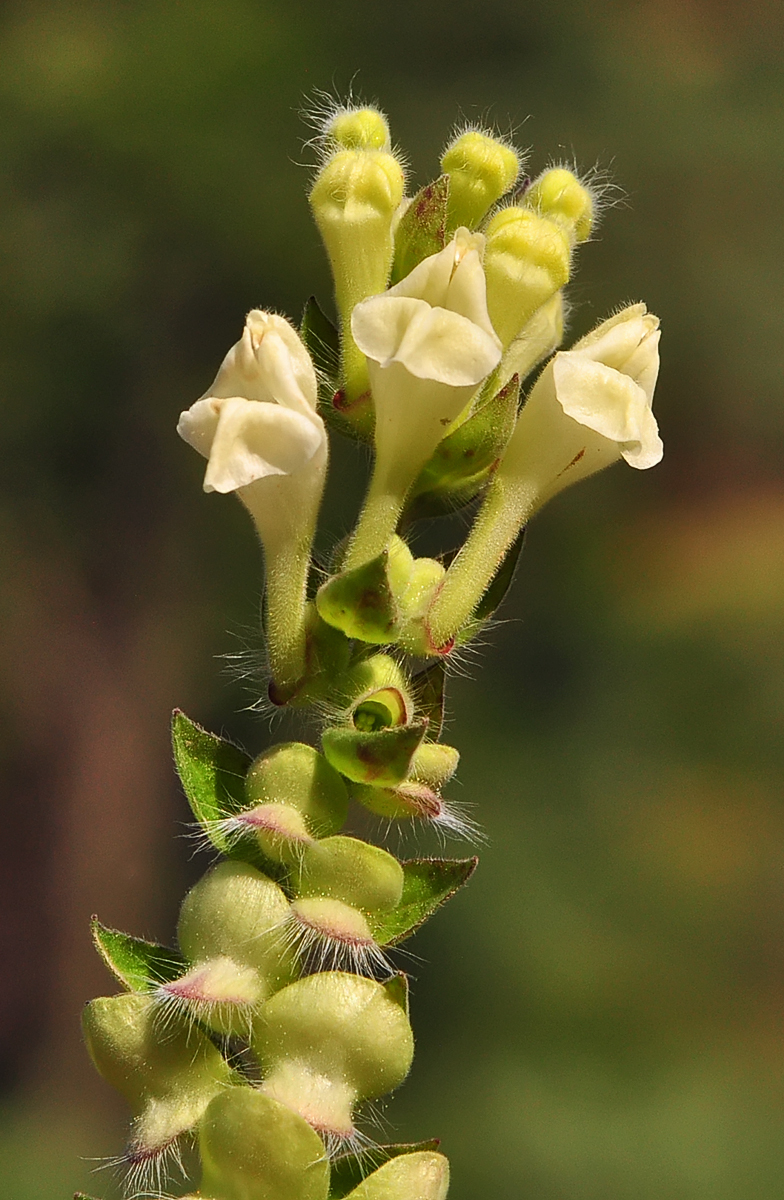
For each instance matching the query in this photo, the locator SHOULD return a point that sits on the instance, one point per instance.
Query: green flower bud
(354, 199)
(382, 757)
(559, 195)
(426, 578)
(526, 263)
(434, 764)
(423, 1175)
(297, 796)
(167, 1074)
(359, 129)
(408, 801)
(355, 872)
(229, 928)
(253, 1148)
(329, 1041)
(481, 170)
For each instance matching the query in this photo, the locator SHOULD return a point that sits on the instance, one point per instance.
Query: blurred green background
(600, 1016)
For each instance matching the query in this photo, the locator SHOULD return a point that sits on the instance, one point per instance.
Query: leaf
(422, 228)
(138, 964)
(427, 884)
(360, 602)
(81, 1196)
(321, 338)
(397, 989)
(502, 582)
(381, 757)
(429, 691)
(464, 459)
(348, 1170)
(213, 776)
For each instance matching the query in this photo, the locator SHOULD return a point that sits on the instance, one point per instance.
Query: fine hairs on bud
(597, 181)
(348, 124)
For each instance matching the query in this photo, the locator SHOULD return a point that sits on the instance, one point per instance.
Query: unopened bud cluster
(281, 1010)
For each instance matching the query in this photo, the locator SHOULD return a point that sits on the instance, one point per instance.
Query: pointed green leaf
(421, 230)
(360, 603)
(464, 460)
(428, 883)
(429, 688)
(213, 777)
(321, 339)
(381, 757)
(139, 965)
(348, 1170)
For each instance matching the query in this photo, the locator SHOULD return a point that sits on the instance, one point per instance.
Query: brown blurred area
(599, 1016)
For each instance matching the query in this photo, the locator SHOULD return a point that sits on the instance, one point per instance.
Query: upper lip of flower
(434, 322)
(258, 418)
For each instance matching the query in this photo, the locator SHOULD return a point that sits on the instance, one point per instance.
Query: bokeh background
(600, 1015)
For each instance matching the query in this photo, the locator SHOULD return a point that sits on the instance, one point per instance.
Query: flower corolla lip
(606, 384)
(258, 418)
(428, 342)
(434, 322)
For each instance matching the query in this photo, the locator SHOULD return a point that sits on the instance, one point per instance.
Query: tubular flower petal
(590, 407)
(429, 343)
(259, 420)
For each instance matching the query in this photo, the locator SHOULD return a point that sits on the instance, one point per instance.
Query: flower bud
(481, 170)
(344, 887)
(526, 263)
(359, 129)
(423, 1175)
(254, 1148)
(228, 929)
(426, 577)
(354, 199)
(296, 796)
(354, 872)
(329, 1041)
(434, 764)
(167, 1075)
(559, 195)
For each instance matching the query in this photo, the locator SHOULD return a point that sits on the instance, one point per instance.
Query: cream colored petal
(445, 347)
(270, 364)
(643, 366)
(198, 424)
(599, 331)
(467, 292)
(254, 440)
(287, 366)
(429, 280)
(647, 450)
(599, 397)
(378, 325)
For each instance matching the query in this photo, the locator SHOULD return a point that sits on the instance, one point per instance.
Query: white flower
(429, 343)
(258, 428)
(590, 406)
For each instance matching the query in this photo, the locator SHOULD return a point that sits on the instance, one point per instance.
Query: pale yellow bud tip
(360, 129)
(481, 170)
(370, 178)
(559, 195)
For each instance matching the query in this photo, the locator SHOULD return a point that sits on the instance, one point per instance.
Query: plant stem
(508, 506)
